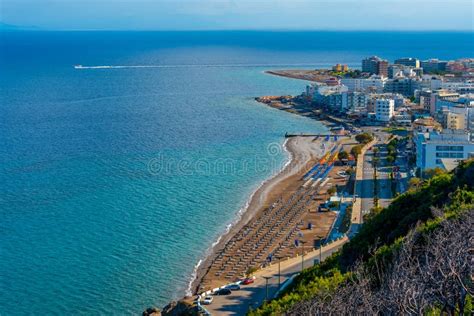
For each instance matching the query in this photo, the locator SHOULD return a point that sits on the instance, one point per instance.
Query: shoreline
(255, 203)
(314, 75)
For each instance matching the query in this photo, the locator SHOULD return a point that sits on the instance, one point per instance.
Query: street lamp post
(320, 250)
(266, 286)
(279, 271)
(302, 254)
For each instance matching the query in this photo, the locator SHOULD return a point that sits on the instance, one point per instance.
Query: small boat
(78, 66)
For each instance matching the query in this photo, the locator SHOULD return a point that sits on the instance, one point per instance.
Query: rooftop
(448, 137)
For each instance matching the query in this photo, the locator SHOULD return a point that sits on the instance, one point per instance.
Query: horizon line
(36, 29)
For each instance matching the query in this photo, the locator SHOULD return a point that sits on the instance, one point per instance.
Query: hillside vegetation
(413, 257)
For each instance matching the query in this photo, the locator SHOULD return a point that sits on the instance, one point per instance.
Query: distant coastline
(295, 74)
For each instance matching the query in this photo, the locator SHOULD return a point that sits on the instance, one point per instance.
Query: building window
(449, 148)
(442, 155)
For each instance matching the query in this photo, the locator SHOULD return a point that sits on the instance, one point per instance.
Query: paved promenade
(253, 295)
(363, 180)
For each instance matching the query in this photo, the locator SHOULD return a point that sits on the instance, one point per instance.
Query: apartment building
(384, 110)
(375, 65)
(442, 149)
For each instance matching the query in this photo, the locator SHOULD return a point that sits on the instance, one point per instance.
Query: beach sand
(304, 152)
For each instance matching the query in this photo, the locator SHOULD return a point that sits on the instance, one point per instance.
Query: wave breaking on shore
(210, 252)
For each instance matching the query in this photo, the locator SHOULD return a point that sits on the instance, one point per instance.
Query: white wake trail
(197, 66)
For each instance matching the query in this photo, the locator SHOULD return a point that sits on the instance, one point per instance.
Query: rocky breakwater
(179, 308)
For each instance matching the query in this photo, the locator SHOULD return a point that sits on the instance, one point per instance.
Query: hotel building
(442, 149)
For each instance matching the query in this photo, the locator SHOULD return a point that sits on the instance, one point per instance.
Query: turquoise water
(115, 182)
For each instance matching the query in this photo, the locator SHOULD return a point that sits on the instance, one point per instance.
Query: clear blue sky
(239, 14)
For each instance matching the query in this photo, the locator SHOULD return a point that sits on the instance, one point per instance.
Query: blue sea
(115, 181)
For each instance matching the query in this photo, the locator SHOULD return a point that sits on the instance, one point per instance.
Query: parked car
(343, 174)
(233, 287)
(207, 300)
(223, 292)
(247, 281)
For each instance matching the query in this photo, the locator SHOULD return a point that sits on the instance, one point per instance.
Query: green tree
(356, 150)
(391, 149)
(250, 271)
(430, 173)
(332, 190)
(415, 183)
(364, 138)
(343, 155)
(350, 171)
(375, 161)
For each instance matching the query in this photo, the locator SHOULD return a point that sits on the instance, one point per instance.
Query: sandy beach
(304, 152)
(315, 75)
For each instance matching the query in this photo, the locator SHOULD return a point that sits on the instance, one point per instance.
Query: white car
(207, 300)
(343, 174)
(233, 287)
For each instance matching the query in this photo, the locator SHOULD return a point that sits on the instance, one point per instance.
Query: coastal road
(253, 295)
(383, 177)
(403, 176)
(383, 170)
(362, 188)
(367, 184)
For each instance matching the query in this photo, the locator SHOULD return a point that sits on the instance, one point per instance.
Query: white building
(430, 82)
(453, 120)
(356, 101)
(403, 85)
(347, 101)
(457, 113)
(454, 99)
(322, 92)
(433, 101)
(384, 109)
(403, 117)
(395, 71)
(458, 86)
(443, 150)
(374, 83)
(317, 89)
